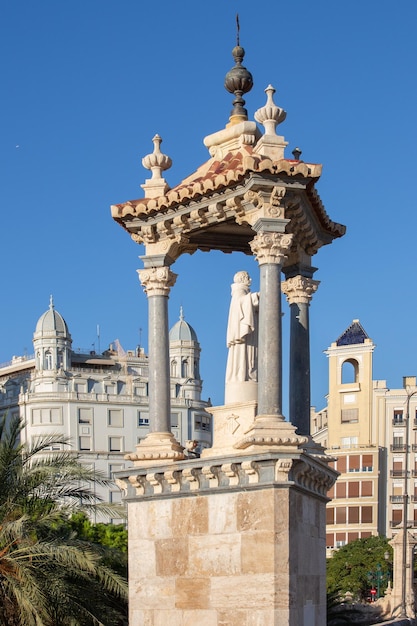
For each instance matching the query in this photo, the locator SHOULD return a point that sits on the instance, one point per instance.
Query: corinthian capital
(299, 289)
(271, 247)
(157, 281)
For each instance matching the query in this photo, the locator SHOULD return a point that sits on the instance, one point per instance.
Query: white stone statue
(242, 332)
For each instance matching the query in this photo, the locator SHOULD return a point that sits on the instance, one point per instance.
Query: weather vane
(237, 30)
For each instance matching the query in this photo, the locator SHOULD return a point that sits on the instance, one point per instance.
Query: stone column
(160, 445)
(299, 290)
(269, 429)
(270, 250)
(402, 583)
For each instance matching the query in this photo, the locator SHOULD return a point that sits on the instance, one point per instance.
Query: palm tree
(48, 577)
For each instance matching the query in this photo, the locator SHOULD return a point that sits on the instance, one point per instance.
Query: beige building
(364, 427)
(100, 401)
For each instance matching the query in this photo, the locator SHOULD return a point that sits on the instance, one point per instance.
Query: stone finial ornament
(157, 163)
(238, 81)
(270, 115)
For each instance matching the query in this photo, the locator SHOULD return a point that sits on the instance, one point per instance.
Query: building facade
(365, 428)
(100, 401)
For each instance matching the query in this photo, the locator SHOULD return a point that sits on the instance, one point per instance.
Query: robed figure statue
(242, 332)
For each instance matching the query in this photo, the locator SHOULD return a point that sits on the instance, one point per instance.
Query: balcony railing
(398, 422)
(398, 447)
(410, 524)
(398, 473)
(396, 499)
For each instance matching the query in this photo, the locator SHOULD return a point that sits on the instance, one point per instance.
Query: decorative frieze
(306, 472)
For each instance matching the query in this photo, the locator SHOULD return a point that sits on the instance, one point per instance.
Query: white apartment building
(100, 401)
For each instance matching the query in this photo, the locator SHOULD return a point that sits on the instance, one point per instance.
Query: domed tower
(52, 341)
(184, 354)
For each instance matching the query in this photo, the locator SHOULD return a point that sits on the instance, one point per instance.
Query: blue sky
(85, 86)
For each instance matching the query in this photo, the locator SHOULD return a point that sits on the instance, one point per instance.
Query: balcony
(396, 499)
(410, 524)
(398, 447)
(398, 473)
(398, 422)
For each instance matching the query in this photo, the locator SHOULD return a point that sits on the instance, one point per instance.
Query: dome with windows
(51, 323)
(182, 331)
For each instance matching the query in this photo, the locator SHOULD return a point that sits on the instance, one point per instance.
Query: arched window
(350, 371)
(48, 360)
(184, 368)
(174, 368)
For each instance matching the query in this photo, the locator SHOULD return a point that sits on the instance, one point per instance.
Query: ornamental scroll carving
(299, 289)
(271, 247)
(157, 281)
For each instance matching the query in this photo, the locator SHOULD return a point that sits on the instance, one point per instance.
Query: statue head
(243, 278)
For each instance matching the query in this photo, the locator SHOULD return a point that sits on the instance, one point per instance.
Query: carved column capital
(299, 289)
(270, 247)
(157, 281)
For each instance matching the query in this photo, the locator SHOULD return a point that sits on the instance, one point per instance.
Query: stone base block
(237, 541)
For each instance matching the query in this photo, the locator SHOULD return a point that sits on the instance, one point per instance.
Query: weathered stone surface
(192, 593)
(217, 555)
(171, 556)
(240, 545)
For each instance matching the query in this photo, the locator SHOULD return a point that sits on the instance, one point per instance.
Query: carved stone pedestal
(229, 541)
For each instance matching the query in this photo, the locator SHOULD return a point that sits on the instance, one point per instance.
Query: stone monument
(236, 537)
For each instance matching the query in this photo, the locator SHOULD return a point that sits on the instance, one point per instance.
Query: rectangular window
(85, 443)
(397, 516)
(366, 514)
(47, 416)
(367, 488)
(340, 515)
(143, 418)
(115, 418)
(352, 537)
(85, 416)
(330, 515)
(353, 515)
(398, 416)
(115, 497)
(354, 463)
(353, 488)
(341, 464)
(329, 540)
(349, 442)
(174, 420)
(202, 422)
(367, 462)
(341, 490)
(331, 492)
(115, 444)
(350, 415)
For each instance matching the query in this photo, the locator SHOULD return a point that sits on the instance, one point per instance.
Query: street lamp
(376, 578)
(409, 384)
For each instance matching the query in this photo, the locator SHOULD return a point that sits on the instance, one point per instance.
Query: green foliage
(50, 575)
(110, 535)
(349, 569)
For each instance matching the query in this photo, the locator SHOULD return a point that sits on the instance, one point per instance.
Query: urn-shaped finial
(156, 162)
(270, 115)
